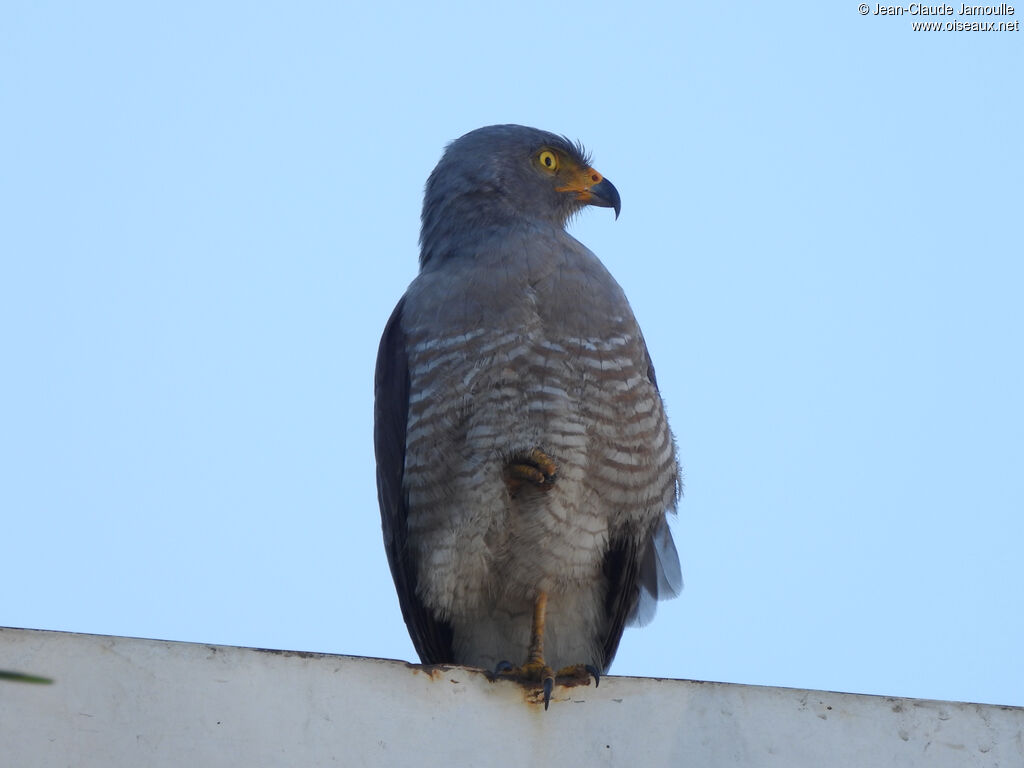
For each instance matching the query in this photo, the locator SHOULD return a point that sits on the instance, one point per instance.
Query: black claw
(549, 685)
(597, 675)
(503, 666)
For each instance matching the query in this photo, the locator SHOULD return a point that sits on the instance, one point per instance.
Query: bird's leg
(540, 613)
(536, 670)
(535, 666)
(536, 468)
(536, 656)
(577, 673)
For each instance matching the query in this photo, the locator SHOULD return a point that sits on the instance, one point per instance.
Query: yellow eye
(548, 160)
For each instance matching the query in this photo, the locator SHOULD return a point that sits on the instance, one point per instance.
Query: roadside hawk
(525, 466)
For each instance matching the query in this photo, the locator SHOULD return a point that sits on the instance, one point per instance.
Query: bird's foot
(537, 674)
(578, 674)
(536, 468)
(534, 673)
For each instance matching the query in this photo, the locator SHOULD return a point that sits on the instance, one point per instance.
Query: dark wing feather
(432, 638)
(620, 568)
(639, 571)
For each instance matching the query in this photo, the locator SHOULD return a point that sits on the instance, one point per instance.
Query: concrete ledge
(126, 702)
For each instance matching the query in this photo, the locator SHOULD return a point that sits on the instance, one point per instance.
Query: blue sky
(207, 213)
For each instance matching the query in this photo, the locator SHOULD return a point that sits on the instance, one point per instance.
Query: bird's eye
(548, 160)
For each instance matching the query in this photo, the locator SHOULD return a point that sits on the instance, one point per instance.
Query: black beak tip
(607, 196)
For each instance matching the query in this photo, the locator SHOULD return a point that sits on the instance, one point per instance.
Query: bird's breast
(490, 384)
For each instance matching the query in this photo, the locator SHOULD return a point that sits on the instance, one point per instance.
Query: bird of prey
(525, 466)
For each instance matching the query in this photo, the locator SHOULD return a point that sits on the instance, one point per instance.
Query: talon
(533, 674)
(578, 674)
(544, 463)
(525, 472)
(536, 468)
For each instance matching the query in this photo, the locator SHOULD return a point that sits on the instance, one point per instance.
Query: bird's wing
(639, 572)
(432, 638)
(621, 570)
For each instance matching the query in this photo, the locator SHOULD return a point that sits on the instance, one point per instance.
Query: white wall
(125, 702)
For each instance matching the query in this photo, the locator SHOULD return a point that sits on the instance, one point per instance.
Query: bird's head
(505, 173)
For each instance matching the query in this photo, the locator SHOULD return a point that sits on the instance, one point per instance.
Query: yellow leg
(540, 614)
(536, 670)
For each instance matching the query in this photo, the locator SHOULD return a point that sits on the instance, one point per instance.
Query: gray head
(504, 175)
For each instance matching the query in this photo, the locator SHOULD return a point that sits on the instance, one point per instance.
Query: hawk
(525, 466)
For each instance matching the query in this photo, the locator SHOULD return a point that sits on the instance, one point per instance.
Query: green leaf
(18, 677)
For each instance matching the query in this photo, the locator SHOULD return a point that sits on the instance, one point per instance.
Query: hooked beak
(605, 195)
(592, 188)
